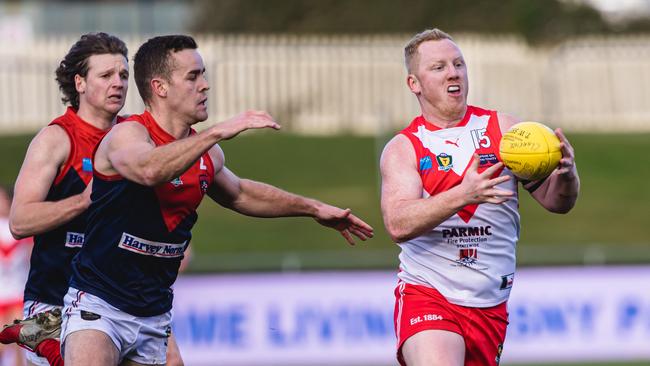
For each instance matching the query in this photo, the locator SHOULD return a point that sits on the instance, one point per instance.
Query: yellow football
(530, 150)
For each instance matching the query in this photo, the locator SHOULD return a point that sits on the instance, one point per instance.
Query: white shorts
(31, 308)
(139, 339)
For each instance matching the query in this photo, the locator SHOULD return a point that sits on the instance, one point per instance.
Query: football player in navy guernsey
(150, 174)
(52, 191)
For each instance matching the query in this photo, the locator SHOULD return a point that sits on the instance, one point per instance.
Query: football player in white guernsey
(14, 266)
(450, 204)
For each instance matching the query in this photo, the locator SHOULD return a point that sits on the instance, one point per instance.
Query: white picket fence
(356, 84)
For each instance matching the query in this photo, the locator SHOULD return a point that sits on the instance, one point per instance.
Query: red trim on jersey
(112, 177)
(108, 178)
(7, 249)
(68, 161)
(420, 120)
(11, 305)
(182, 196)
(83, 139)
(435, 182)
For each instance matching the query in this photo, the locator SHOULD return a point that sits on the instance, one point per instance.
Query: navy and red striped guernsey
(137, 235)
(53, 251)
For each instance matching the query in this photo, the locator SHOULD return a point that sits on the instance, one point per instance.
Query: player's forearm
(562, 191)
(408, 219)
(167, 162)
(36, 218)
(263, 200)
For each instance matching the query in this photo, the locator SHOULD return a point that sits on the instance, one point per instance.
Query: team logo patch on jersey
(203, 183)
(445, 162)
(426, 163)
(507, 280)
(87, 165)
(153, 248)
(177, 182)
(468, 257)
(74, 240)
(488, 159)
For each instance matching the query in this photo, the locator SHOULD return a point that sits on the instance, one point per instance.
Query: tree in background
(539, 21)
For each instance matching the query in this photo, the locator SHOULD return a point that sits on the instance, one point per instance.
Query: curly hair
(152, 60)
(76, 61)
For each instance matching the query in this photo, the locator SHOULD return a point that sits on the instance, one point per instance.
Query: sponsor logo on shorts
(425, 318)
(153, 248)
(87, 315)
(445, 162)
(507, 280)
(74, 240)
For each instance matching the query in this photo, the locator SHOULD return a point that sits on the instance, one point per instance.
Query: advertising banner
(346, 318)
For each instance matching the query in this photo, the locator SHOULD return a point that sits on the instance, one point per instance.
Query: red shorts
(419, 308)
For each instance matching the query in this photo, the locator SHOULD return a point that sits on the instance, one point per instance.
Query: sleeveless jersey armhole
(68, 161)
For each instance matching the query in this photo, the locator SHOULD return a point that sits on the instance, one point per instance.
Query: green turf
(13, 150)
(610, 223)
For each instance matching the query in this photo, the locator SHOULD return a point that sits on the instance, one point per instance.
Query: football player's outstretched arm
(129, 150)
(31, 214)
(259, 199)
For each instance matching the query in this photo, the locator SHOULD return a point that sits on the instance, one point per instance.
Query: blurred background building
(316, 65)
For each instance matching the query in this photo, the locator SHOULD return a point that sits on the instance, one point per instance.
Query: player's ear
(413, 83)
(80, 83)
(159, 87)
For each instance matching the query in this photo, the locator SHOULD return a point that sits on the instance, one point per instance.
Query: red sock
(51, 350)
(10, 334)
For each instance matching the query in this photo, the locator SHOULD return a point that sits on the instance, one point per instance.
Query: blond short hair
(411, 48)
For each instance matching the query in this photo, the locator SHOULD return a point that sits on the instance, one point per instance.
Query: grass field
(610, 224)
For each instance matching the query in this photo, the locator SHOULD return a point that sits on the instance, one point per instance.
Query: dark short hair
(153, 60)
(76, 61)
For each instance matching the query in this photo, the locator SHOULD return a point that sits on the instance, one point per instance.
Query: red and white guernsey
(14, 265)
(470, 257)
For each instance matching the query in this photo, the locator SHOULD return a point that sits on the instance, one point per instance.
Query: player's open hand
(247, 120)
(481, 187)
(344, 222)
(566, 166)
